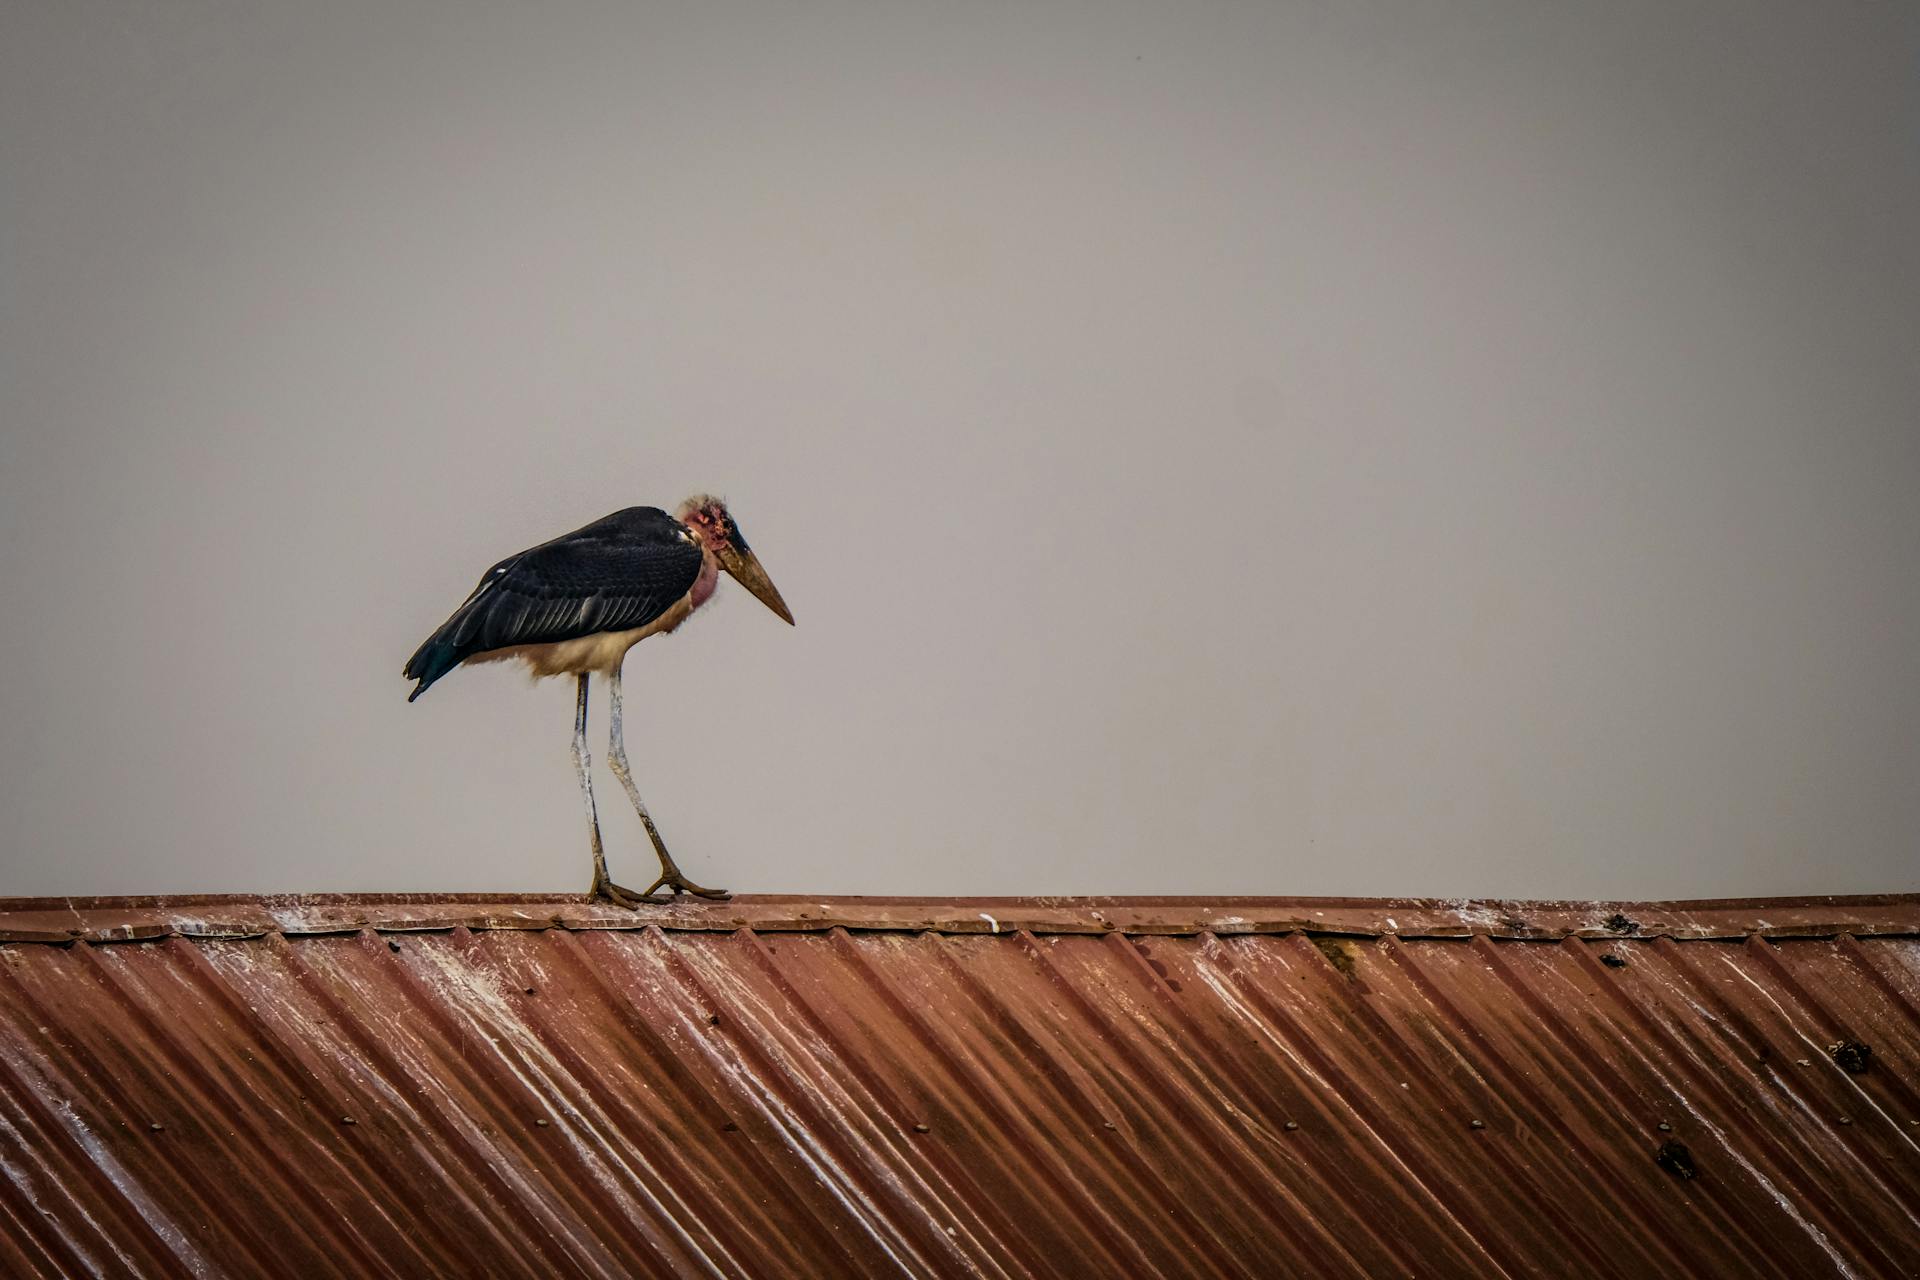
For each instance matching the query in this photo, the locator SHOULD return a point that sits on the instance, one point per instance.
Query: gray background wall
(1271, 448)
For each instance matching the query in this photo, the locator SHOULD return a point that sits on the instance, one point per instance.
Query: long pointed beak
(745, 567)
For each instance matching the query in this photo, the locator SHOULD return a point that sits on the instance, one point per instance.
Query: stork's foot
(674, 882)
(677, 884)
(618, 896)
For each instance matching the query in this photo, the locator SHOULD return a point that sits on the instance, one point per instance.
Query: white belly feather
(602, 651)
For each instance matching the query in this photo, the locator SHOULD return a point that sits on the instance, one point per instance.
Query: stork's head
(707, 517)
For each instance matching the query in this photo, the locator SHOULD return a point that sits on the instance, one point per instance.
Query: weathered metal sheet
(296, 915)
(1057, 1098)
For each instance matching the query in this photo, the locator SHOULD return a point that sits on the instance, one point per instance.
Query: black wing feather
(618, 573)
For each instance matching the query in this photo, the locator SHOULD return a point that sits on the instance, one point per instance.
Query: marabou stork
(575, 605)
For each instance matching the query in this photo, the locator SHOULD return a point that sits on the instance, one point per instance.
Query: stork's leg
(670, 876)
(603, 886)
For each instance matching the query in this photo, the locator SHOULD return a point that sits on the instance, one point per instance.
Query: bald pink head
(707, 518)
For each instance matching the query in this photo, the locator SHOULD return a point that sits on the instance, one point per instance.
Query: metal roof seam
(132, 919)
(1646, 1040)
(1549, 1224)
(548, 1088)
(1091, 1213)
(208, 1079)
(1811, 1011)
(242, 1238)
(1136, 1182)
(1834, 1220)
(300, 1080)
(729, 1178)
(1863, 962)
(876, 1137)
(958, 1204)
(1183, 1100)
(530, 1237)
(600, 1242)
(1199, 1084)
(1071, 1080)
(1461, 1206)
(1022, 1102)
(1658, 1250)
(666, 1072)
(1137, 953)
(1213, 965)
(836, 1162)
(1604, 980)
(1832, 1031)
(61, 1159)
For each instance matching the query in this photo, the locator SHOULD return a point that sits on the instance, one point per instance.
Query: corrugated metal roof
(1247, 1087)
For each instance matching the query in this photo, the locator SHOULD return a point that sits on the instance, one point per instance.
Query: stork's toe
(678, 884)
(617, 895)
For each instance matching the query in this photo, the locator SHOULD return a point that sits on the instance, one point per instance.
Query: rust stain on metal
(990, 1087)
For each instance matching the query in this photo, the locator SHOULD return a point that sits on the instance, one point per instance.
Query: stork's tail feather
(431, 661)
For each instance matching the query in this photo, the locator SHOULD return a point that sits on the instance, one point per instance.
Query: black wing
(615, 574)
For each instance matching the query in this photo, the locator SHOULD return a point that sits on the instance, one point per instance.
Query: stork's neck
(709, 578)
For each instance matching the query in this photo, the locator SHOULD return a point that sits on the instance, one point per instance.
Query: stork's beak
(745, 567)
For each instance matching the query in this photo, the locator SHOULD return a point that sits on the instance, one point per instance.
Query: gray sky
(1258, 448)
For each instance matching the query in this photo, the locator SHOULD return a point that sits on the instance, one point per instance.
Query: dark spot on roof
(1612, 961)
(1854, 1058)
(1619, 923)
(1676, 1160)
(1341, 953)
(1146, 953)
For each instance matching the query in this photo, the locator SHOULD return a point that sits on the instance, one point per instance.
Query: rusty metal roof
(1000, 1087)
